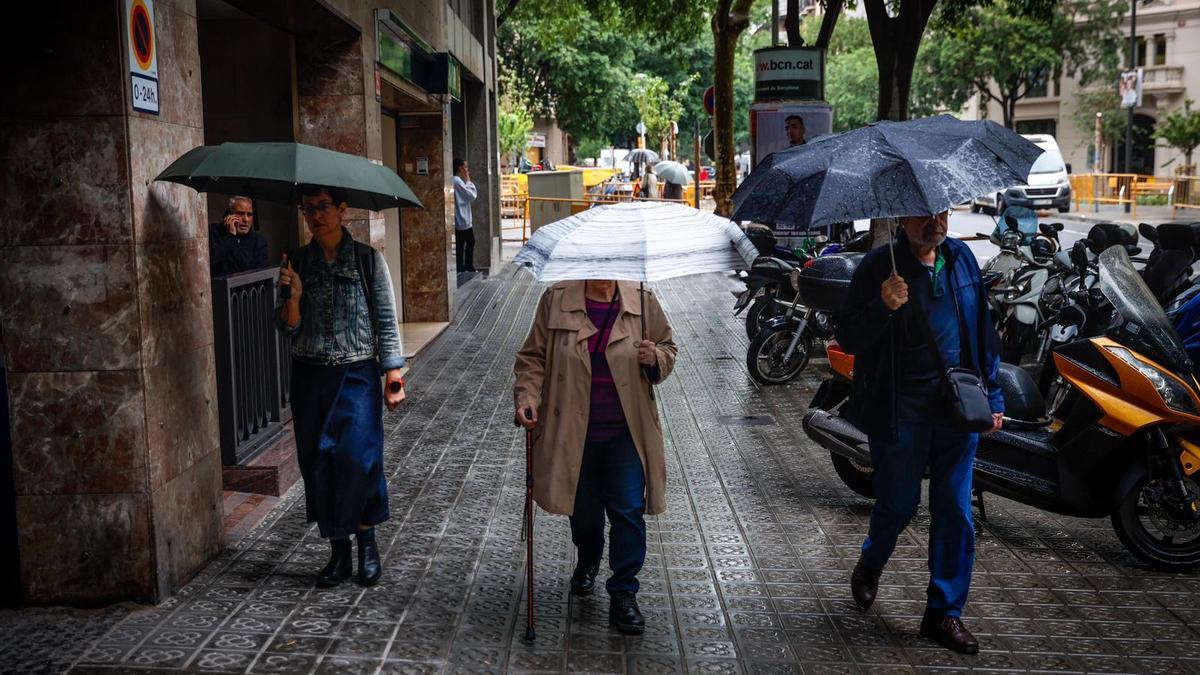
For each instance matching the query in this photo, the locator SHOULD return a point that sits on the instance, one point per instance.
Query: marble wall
(104, 302)
(427, 235)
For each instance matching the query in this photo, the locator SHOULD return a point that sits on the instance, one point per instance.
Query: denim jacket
(335, 320)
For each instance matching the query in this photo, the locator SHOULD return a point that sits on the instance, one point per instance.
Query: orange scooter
(1122, 441)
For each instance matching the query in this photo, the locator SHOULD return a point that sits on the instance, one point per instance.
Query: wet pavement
(747, 571)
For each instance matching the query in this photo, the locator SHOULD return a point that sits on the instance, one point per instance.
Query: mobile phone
(285, 292)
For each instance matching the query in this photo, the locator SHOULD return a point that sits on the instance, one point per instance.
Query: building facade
(1168, 49)
(114, 490)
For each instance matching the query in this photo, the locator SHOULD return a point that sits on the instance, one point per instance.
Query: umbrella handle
(645, 369)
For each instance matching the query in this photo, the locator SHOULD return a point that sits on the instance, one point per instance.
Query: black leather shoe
(864, 584)
(369, 566)
(949, 632)
(623, 612)
(583, 580)
(339, 568)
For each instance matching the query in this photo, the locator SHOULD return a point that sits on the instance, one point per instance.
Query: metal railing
(254, 367)
(1093, 189)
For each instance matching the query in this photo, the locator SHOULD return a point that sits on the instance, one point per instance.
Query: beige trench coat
(554, 376)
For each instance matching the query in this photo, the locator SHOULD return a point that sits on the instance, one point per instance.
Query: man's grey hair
(237, 198)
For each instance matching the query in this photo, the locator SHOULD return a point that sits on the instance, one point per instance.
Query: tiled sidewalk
(747, 573)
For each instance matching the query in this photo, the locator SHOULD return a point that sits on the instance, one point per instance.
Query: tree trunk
(727, 25)
(833, 9)
(791, 23)
(895, 40)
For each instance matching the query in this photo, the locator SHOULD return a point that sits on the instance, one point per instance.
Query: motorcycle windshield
(1139, 321)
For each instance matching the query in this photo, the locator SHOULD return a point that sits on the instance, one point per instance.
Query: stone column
(105, 307)
(481, 153)
(331, 110)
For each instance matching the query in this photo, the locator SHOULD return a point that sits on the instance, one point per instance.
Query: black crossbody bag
(963, 391)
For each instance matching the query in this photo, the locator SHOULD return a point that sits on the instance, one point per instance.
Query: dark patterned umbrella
(887, 169)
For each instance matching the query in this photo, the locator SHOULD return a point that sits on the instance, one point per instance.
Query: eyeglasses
(322, 208)
(244, 214)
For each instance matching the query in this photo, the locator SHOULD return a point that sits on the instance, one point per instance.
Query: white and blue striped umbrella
(636, 241)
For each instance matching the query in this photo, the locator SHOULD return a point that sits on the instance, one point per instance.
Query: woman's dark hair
(336, 194)
(458, 162)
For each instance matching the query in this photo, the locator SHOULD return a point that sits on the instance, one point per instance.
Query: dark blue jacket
(875, 336)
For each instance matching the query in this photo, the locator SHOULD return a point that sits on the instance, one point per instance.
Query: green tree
(1102, 99)
(657, 106)
(1180, 129)
(1004, 55)
(514, 123)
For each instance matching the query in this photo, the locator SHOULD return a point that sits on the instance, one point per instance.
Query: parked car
(1049, 186)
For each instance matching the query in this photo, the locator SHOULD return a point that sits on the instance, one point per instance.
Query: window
(1037, 86)
(1043, 126)
(1160, 50)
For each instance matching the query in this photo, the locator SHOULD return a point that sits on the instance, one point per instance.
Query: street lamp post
(1133, 64)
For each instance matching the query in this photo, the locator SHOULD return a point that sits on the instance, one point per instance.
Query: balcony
(1163, 79)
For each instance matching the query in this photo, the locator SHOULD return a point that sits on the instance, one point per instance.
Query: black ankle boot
(338, 569)
(369, 566)
(624, 613)
(583, 580)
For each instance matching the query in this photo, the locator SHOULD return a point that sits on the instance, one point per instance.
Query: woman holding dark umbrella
(341, 315)
(583, 385)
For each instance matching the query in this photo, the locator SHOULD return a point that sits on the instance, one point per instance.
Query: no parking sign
(143, 55)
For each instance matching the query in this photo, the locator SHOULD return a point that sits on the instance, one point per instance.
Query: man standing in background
(233, 244)
(464, 234)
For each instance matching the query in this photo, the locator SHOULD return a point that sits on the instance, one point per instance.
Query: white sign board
(143, 55)
(787, 73)
(537, 139)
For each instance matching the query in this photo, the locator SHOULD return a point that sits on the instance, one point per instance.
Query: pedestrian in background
(933, 299)
(649, 184)
(341, 317)
(583, 385)
(464, 232)
(233, 244)
(672, 190)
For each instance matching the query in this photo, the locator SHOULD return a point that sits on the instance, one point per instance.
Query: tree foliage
(514, 123)
(1180, 129)
(1005, 54)
(657, 105)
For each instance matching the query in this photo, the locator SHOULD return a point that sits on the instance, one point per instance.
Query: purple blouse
(606, 418)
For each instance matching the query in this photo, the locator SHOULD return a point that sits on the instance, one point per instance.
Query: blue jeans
(899, 466)
(611, 480)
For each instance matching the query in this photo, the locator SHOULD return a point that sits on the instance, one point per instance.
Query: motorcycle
(768, 290)
(782, 348)
(1027, 261)
(1125, 444)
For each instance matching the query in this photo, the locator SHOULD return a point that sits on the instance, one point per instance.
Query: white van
(1049, 187)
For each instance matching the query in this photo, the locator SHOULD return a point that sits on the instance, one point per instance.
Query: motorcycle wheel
(1012, 346)
(856, 477)
(1157, 532)
(764, 358)
(759, 311)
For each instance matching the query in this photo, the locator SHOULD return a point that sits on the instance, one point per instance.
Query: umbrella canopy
(636, 241)
(887, 169)
(273, 171)
(642, 156)
(673, 172)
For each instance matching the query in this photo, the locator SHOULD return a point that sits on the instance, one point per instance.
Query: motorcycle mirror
(1011, 223)
(1079, 256)
(1149, 232)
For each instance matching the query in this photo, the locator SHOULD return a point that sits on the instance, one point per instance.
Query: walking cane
(527, 529)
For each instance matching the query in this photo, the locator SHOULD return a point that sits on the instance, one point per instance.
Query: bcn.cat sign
(143, 55)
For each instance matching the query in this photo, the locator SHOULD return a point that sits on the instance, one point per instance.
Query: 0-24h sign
(143, 55)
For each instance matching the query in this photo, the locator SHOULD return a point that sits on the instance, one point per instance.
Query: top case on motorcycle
(825, 281)
(1022, 399)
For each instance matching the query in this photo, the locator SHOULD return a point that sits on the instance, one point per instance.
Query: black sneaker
(623, 612)
(583, 580)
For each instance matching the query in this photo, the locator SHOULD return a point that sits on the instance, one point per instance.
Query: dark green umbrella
(273, 172)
